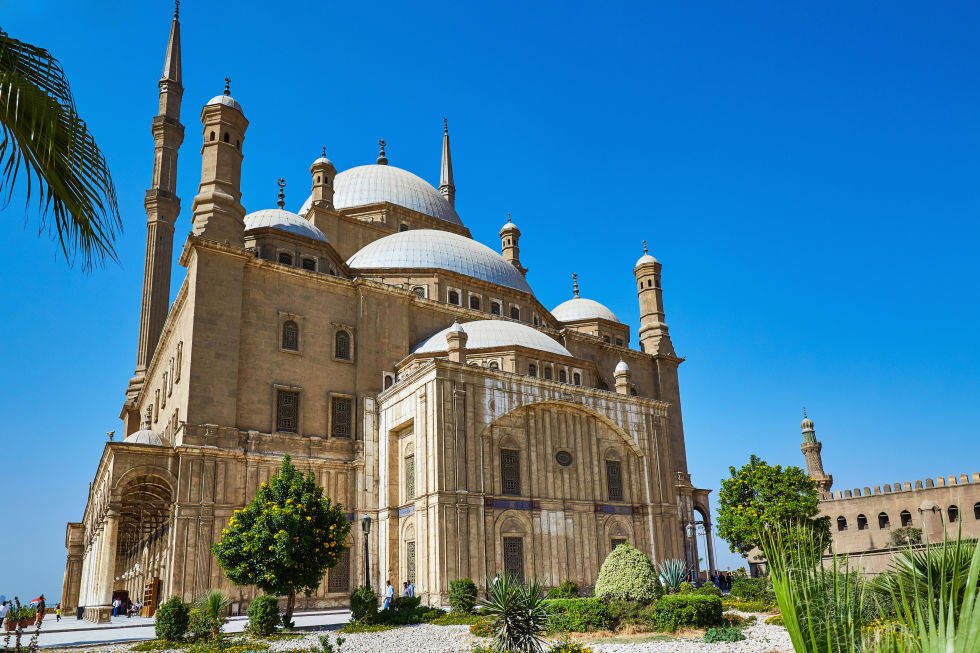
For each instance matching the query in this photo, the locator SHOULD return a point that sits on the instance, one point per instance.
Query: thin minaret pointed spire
(446, 185)
(171, 64)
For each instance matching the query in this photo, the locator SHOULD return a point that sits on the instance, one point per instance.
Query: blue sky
(808, 175)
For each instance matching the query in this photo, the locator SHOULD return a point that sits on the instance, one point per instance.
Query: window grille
(290, 335)
(341, 345)
(614, 480)
(309, 264)
(409, 477)
(338, 578)
(410, 561)
(287, 411)
(419, 291)
(510, 472)
(514, 557)
(341, 417)
(532, 370)
(285, 258)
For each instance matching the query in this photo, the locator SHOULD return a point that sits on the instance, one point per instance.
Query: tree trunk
(287, 619)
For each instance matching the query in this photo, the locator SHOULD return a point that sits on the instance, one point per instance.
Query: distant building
(862, 521)
(410, 368)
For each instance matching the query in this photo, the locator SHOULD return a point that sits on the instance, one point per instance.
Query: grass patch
(365, 628)
(748, 606)
(456, 619)
(278, 637)
(158, 645)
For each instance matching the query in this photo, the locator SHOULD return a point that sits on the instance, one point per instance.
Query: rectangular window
(475, 302)
(614, 480)
(495, 307)
(454, 297)
(515, 312)
(410, 561)
(616, 541)
(309, 264)
(510, 472)
(514, 557)
(287, 411)
(338, 578)
(409, 477)
(341, 417)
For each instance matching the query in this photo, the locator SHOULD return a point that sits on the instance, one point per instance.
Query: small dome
(144, 436)
(508, 226)
(371, 184)
(622, 367)
(284, 221)
(580, 308)
(226, 100)
(643, 260)
(488, 334)
(441, 250)
(806, 424)
(322, 160)
(457, 327)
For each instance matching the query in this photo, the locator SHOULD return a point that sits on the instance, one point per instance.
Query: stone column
(711, 548)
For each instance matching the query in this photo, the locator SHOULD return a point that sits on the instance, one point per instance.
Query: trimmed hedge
(263, 615)
(567, 590)
(675, 610)
(462, 595)
(577, 615)
(172, 619)
(753, 589)
(709, 589)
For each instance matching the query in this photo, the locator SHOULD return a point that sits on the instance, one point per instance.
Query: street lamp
(690, 549)
(366, 527)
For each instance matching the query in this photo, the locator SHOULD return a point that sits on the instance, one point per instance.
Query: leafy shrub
(775, 620)
(172, 619)
(905, 536)
(671, 574)
(517, 614)
(462, 595)
(567, 590)
(566, 645)
(622, 613)
(747, 606)
(326, 646)
(482, 628)
(456, 619)
(363, 605)
(736, 620)
(675, 610)
(627, 575)
(263, 615)
(724, 634)
(753, 589)
(685, 588)
(709, 589)
(577, 615)
(208, 615)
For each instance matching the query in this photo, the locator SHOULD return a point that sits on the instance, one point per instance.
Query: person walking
(389, 595)
(57, 612)
(41, 607)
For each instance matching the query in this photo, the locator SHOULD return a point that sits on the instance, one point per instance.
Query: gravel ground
(759, 638)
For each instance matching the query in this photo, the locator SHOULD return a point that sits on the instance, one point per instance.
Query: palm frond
(42, 135)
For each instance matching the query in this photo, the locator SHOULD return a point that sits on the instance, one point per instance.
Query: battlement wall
(907, 486)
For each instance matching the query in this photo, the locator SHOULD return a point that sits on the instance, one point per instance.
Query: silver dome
(441, 250)
(622, 367)
(580, 308)
(643, 260)
(144, 436)
(383, 183)
(487, 334)
(283, 221)
(226, 100)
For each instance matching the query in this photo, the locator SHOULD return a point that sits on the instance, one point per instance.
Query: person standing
(389, 595)
(57, 612)
(4, 609)
(41, 607)
(410, 589)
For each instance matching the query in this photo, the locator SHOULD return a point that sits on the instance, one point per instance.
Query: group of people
(723, 579)
(39, 604)
(408, 590)
(124, 607)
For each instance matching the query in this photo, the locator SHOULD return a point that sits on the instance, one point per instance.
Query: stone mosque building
(409, 367)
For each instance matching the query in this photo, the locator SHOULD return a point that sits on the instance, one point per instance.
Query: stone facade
(479, 433)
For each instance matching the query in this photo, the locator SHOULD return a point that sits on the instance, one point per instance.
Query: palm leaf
(42, 135)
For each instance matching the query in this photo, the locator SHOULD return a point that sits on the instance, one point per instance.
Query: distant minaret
(162, 207)
(654, 335)
(510, 245)
(446, 185)
(811, 453)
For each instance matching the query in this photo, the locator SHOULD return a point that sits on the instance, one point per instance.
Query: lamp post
(366, 527)
(690, 549)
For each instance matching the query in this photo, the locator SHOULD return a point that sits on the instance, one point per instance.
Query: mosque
(466, 429)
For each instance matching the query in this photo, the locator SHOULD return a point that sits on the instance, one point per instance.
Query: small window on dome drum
(548, 373)
(285, 258)
(515, 312)
(495, 308)
(532, 370)
(576, 378)
(419, 291)
(309, 264)
(475, 302)
(454, 297)
(563, 376)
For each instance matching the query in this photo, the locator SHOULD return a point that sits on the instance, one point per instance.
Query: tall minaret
(446, 185)
(162, 207)
(654, 335)
(811, 453)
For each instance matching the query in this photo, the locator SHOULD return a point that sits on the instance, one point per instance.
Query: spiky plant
(672, 573)
(42, 135)
(517, 614)
(209, 614)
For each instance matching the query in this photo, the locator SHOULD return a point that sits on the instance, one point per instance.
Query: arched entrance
(145, 505)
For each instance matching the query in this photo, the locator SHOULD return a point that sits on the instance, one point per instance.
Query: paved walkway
(75, 632)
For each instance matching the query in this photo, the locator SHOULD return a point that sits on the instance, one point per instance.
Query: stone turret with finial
(510, 244)
(811, 448)
(322, 174)
(654, 335)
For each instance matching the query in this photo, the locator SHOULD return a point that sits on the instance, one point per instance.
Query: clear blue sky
(808, 175)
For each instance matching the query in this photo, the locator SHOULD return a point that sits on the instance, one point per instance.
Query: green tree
(42, 135)
(758, 495)
(285, 539)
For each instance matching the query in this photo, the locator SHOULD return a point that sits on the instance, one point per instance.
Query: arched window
(290, 335)
(906, 518)
(342, 345)
(614, 480)
(563, 376)
(495, 307)
(842, 523)
(494, 365)
(419, 291)
(212, 137)
(576, 378)
(515, 312)
(883, 520)
(510, 472)
(862, 523)
(389, 381)
(532, 370)
(285, 258)
(454, 297)
(548, 372)
(475, 302)
(954, 514)
(976, 510)
(227, 137)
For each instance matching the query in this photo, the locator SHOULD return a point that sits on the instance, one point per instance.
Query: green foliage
(905, 536)
(42, 135)
(685, 588)
(675, 610)
(671, 574)
(567, 590)
(517, 614)
(462, 595)
(623, 613)
(566, 645)
(285, 539)
(208, 615)
(775, 620)
(263, 615)
(326, 646)
(627, 575)
(757, 495)
(363, 604)
(708, 589)
(158, 645)
(220, 645)
(172, 619)
(747, 606)
(577, 615)
(923, 575)
(753, 589)
(456, 619)
(723, 634)
(483, 627)
(736, 620)
(360, 627)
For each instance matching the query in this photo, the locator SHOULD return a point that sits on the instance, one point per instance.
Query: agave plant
(517, 613)
(672, 572)
(209, 614)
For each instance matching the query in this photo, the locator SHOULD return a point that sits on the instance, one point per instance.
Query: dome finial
(323, 151)
(509, 221)
(281, 203)
(804, 412)
(227, 85)
(574, 284)
(382, 159)
(176, 9)
(445, 125)
(645, 247)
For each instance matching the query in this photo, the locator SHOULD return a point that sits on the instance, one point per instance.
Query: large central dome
(441, 250)
(383, 183)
